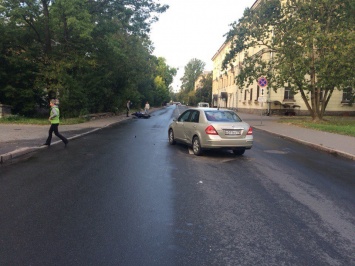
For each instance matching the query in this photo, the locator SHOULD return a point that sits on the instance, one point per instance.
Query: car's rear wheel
(196, 146)
(238, 151)
(171, 137)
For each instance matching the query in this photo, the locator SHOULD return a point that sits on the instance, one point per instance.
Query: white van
(203, 105)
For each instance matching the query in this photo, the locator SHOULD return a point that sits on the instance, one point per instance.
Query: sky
(194, 29)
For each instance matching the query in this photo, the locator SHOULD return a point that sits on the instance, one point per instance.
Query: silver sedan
(211, 128)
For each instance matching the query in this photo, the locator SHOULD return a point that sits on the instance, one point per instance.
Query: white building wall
(245, 99)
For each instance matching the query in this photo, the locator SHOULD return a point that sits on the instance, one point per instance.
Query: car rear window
(222, 116)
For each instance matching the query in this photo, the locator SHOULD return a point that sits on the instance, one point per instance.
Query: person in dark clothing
(54, 119)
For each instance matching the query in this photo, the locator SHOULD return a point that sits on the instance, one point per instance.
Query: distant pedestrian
(146, 107)
(128, 106)
(54, 119)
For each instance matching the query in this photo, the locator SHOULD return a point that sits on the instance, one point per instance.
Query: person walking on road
(54, 119)
(128, 106)
(146, 108)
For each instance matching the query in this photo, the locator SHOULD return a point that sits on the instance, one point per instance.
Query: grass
(333, 124)
(38, 121)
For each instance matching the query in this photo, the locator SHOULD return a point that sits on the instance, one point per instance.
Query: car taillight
(210, 130)
(250, 131)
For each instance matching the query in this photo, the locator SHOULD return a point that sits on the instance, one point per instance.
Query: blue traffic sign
(262, 82)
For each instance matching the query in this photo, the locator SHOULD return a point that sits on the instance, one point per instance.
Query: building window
(251, 94)
(289, 95)
(348, 95)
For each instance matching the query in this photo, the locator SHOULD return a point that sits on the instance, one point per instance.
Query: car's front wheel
(238, 151)
(171, 137)
(196, 146)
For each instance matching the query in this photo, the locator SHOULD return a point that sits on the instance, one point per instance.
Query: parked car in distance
(203, 104)
(211, 128)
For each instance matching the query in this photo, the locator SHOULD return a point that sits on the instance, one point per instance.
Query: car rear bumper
(216, 142)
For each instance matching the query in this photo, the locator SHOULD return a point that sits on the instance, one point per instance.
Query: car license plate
(232, 132)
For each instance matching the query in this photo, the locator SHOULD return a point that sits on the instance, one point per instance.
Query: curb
(316, 146)
(25, 152)
(16, 154)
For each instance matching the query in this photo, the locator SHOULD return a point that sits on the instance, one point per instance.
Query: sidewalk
(21, 140)
(333, 143)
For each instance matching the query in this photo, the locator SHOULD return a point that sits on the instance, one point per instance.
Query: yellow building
(253, 99)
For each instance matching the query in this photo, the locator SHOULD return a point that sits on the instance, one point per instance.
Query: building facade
(256, 99)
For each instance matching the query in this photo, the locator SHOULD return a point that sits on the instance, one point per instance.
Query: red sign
(262, 82)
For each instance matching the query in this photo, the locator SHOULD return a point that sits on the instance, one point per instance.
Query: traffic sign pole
(262, 82)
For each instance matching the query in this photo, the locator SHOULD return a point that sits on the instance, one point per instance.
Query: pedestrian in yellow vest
(54, 119)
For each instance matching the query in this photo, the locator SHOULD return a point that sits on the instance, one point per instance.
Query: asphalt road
(124, 196)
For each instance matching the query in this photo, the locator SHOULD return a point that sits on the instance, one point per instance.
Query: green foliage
(204, 93)
(311, 44)
(166, 72)
(193, 70)
(190, 98)
(16, 119)
(337, 125)
(164, 76)
(92, 55)
(161, 93)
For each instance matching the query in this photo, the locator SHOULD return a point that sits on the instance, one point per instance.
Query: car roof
(209, 109)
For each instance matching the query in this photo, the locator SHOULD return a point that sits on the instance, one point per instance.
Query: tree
(161, 94)
(204, 92)
(193, 70)
(18, 69)
(91, 54)
(166, 72)
(164, 75)
(311, 43)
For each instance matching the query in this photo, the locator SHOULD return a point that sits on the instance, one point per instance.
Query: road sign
(262, 99)
(262, 92)
(262, 82)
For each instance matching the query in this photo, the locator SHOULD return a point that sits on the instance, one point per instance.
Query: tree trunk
(47, 34)
(327, 95)
(314, 90)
